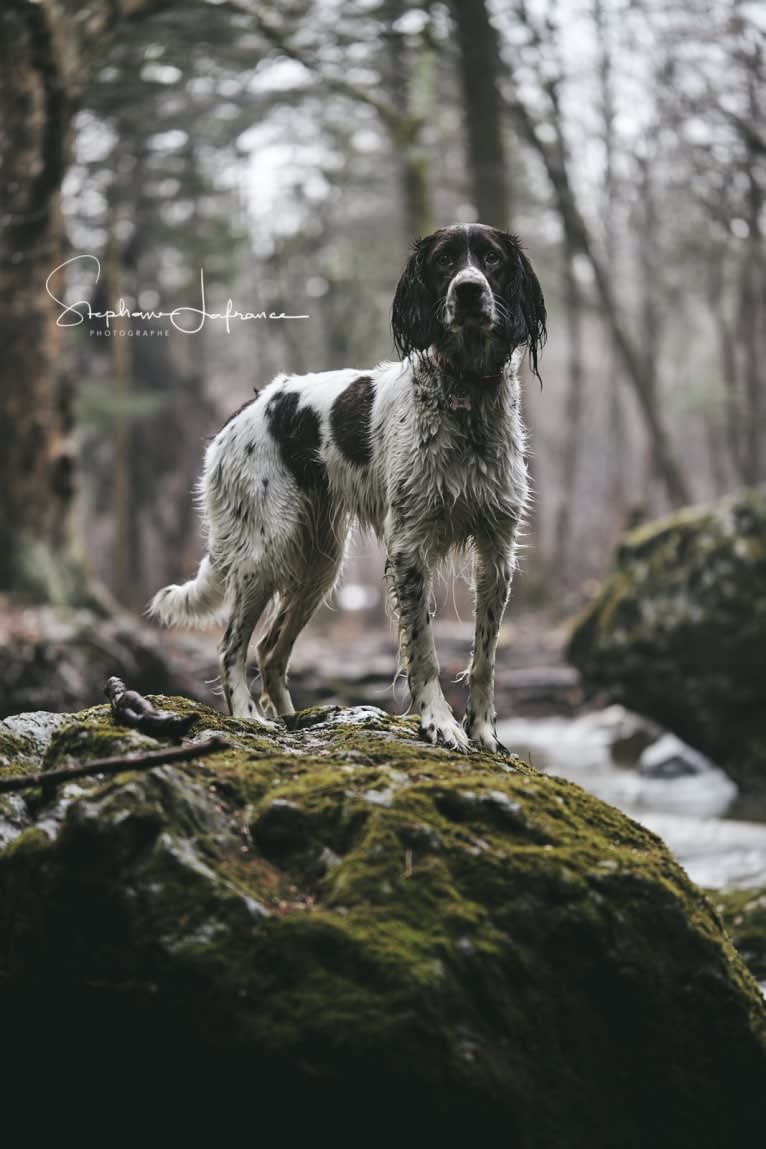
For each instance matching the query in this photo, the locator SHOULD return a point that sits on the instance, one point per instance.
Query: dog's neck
(460, 373)
(464, 386)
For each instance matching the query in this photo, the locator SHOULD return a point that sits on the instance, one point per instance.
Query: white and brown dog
(428, 452)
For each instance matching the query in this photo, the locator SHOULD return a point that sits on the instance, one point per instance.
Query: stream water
(718, 838)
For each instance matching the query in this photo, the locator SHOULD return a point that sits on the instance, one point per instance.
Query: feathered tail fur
(198, 599)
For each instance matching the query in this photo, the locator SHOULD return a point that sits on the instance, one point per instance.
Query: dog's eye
(444, 260)
(491, 259)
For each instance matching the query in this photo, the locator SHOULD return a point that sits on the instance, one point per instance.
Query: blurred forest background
(293, 151)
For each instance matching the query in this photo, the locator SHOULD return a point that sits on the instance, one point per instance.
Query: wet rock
(14, 817)
(24, 738)
(58, 659)
(669, 757)
(442, 955)
(679, 629)
(628, 734)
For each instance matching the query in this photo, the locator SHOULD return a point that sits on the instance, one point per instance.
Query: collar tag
(460, 402)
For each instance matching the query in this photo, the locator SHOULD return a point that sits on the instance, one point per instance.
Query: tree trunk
(651, 288)
(753, 282)
(480, 69)
(618, 439)
(405, 130)
(727, 355)
(751, 320)
(42, 70)
(122, 373)
(35, 115)
(572, 413)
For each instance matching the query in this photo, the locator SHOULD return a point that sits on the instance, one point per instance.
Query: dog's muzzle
(469, 300)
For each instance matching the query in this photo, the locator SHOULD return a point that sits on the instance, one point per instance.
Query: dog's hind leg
(296, 608)
(251, 596)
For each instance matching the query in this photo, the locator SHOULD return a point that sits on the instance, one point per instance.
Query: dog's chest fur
(449, 474)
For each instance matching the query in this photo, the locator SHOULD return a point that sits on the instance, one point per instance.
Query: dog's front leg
(493, 569)
(411, 579)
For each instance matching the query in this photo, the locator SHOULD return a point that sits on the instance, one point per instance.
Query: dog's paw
(269, 709)
(483, 733)
(251, 712)
(439, 726)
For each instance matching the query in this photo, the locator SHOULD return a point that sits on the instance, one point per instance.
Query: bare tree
(483, 111)
(753, 283)
(573, 410)
(543, 130)
(44, 64)
(618, 443)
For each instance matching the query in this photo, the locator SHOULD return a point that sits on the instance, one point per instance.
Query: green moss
(346, 906)
(744, 916)
(95, 737)
(31, 842)
(16, 753)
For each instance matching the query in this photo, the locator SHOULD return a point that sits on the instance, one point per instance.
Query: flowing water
(717, 837)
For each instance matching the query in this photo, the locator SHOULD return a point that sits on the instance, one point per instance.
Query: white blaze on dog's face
(456, 261)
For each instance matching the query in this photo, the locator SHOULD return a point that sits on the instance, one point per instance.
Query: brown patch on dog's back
(350, 420)
(297, 436)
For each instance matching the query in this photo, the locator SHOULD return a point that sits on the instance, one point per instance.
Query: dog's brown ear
(524, 303)
(412, 316)
(532, 305)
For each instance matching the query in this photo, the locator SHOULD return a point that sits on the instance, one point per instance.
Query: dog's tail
(197, 600)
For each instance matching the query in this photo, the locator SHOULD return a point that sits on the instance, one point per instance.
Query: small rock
(379, 797)
(328, 859)
(669, 757)
(14, 817)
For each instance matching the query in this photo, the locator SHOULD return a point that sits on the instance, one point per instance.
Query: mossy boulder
(744, 914)
(678, 632)
(351, 928)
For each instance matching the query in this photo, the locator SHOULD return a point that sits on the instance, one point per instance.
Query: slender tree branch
(277, 36)
(116, 765)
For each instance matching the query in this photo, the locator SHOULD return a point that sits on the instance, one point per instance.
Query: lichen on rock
(370, 926)
(678, 631)
(744, 914)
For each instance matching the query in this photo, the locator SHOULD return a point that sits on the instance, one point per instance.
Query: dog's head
(470, 292)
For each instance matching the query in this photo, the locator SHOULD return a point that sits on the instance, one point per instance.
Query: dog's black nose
(470, 293)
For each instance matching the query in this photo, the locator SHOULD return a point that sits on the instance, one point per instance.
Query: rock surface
(58, 658)
(362, 928)
(669, 757)
(744, 915)
(678, 631)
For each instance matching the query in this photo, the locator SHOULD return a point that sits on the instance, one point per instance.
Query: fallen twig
(50, 778)
(132, 709)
